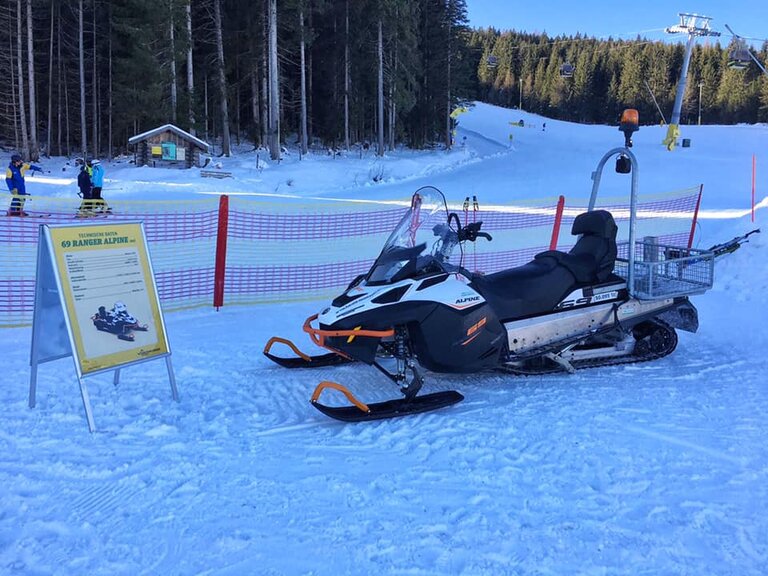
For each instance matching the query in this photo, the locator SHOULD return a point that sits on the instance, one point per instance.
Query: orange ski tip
(288, 343)
(335, 386)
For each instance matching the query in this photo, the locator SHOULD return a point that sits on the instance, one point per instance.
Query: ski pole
(475, 208)
(466, 221)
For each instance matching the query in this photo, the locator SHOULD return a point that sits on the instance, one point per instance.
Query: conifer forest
(83, 76)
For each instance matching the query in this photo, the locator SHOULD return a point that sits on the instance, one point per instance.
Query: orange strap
(327, 384)
(288, 343)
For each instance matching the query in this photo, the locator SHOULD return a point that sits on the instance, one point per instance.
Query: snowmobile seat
(528, 290)
(537, 287)
(593, 257)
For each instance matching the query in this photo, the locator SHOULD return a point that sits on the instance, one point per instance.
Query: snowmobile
(419, 309)
(117, 321)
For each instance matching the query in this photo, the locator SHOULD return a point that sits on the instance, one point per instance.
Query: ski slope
(658, 468)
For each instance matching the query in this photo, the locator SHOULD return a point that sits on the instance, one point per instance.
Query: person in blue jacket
(14, 179)
(97, 179)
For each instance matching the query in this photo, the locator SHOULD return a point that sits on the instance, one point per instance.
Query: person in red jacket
(14, 179)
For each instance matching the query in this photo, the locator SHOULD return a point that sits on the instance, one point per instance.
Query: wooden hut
(168, 146)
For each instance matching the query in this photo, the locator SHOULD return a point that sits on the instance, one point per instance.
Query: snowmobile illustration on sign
(417, 308)
(117, 321)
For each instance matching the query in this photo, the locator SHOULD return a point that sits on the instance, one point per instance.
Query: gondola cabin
(168, 146)
(566, 70)
(492, 61)
(739, 57)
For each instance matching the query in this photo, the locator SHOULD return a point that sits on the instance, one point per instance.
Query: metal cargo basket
(663, 271)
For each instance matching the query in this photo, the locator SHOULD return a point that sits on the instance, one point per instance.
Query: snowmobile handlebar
(470, 232)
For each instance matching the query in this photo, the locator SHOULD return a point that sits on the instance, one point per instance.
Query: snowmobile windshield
(415, 241)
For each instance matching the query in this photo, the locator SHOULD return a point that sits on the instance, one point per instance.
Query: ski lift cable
(744, 37)
(625, 43)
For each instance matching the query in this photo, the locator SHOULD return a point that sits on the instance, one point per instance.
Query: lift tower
(694, 25)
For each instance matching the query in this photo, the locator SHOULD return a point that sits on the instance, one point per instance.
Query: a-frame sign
(95, 300)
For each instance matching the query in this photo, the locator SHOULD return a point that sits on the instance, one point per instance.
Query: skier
(14, 179)
(85, 186)
(97, 180)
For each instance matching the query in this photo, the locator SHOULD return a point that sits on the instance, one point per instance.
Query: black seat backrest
(597, 230)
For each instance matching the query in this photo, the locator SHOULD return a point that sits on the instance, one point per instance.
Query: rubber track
(599, 363)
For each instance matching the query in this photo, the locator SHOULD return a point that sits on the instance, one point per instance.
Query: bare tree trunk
(346, 77)
(380, 91)
(205, 111)
(393, 85)
(83, 128)
(67, 122)
(49, 136)
(34, 148)
(237, 100)
(255, 102)
(310, 126)
(264, 99)
(392, 104)
(303, 86)
(274, 87)
(14, 90)
(222, 81)
(95, 88)
(448, 136)
(59, 84)
(174, 97)
(190, 73)
(20, 74)
(109, 113)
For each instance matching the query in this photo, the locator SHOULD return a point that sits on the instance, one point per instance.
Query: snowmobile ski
(361, 412)
(303, 360)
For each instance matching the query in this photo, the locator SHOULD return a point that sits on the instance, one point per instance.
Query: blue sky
(620, 20)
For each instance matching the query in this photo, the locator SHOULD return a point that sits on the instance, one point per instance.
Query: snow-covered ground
(657, 468)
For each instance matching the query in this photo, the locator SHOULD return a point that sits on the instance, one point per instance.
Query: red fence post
(695, 217)
(754, 169)
(221, 253)
(558, 220)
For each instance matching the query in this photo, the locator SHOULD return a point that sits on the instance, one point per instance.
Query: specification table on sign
(107, 274)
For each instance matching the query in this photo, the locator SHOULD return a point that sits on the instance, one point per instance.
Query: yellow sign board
(95, 300)
(109, 294)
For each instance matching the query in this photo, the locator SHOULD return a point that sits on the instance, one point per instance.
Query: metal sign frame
(81, 265)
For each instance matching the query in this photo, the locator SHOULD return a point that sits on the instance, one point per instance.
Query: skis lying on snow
(361, 412)
(303, 360)
(26, 215)
(85, 214)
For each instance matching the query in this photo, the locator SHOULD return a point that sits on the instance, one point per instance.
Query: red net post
(221, 253)
(754, 169)
(558, 221)
(695, 218)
